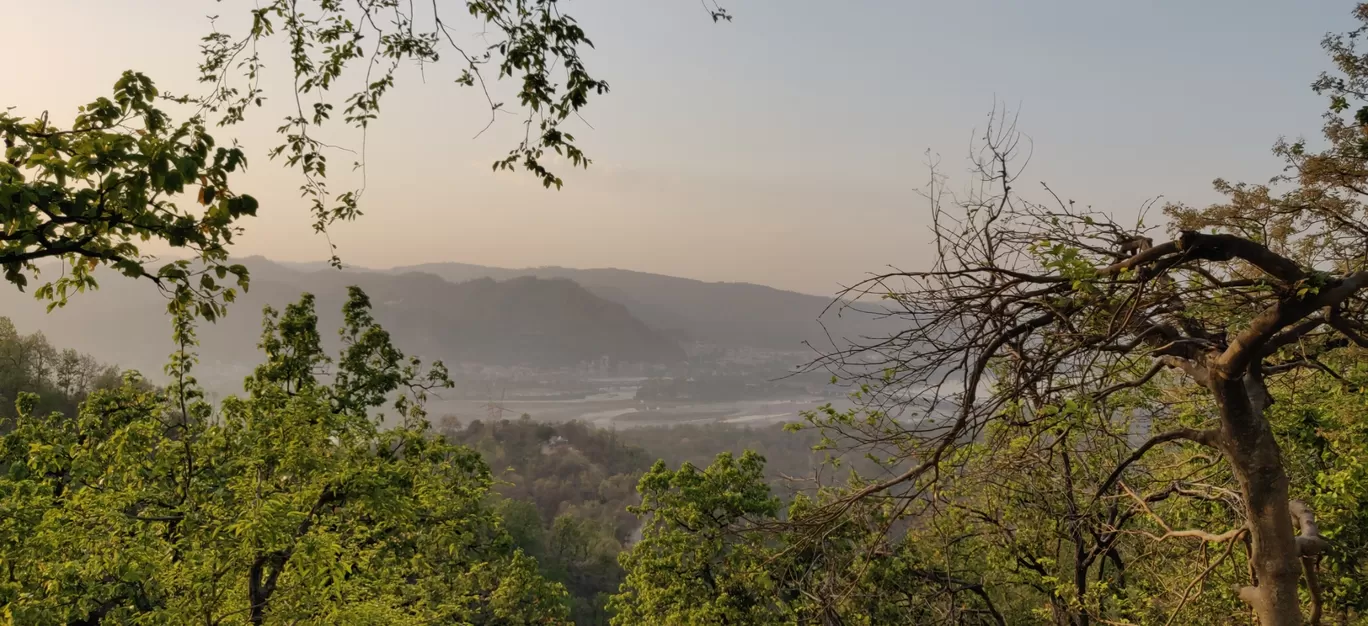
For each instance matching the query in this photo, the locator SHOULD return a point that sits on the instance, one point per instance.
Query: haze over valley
(612, 347)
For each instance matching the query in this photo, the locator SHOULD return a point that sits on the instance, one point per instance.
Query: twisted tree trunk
(1247, 440)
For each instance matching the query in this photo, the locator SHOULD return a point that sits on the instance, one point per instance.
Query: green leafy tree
(154, 507)
(62, 379)
(699, 560)
(124, 172)
(1320, 421)
(716, 550)
(564, 493)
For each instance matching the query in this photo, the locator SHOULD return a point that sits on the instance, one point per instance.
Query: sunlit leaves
(153, 507)
(88, 195)
(698, 562)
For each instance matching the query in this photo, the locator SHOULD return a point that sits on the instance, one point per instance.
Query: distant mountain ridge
(523, 321)
(729, 314)
(540, 317)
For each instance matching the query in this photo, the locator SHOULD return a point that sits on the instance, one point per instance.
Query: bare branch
(1204, 437)
(1228, 536)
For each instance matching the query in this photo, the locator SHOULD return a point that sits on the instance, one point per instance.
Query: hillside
(729, 314)
(523, 321)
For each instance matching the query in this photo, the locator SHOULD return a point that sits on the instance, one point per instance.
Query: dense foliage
(291, 505)
(121, 174)
(793, 462)
(1015, 532)
(565, 491)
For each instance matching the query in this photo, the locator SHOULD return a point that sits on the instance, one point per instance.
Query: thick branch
(1310, 544)
(1224, 247)
(1215, 247)
(1338, 322)
(1250, 342)
(1293, 334)
(1144, 258)
(1190, 367)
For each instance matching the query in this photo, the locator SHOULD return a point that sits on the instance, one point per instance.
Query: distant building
(555, 443)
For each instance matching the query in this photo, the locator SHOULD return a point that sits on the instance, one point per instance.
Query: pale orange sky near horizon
(784, 148)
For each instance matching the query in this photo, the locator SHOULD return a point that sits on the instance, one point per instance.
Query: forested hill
(730, 314)
(564, 488)
(522, 321)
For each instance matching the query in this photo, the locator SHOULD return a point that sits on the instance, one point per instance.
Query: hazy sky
(784, 148)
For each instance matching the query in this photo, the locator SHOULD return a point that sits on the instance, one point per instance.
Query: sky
(785, 148)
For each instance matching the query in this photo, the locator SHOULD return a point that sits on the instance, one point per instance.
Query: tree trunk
(1247, 441)
(256, 598)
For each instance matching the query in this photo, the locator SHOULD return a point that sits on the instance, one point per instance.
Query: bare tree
(1029, 304)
